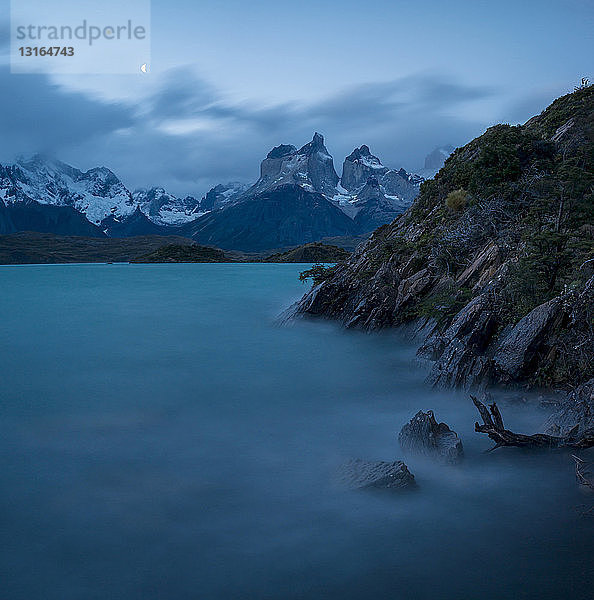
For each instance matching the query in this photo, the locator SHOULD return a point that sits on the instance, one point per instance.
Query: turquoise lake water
(162, 438)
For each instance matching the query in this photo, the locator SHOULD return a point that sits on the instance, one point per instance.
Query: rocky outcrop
(362, 474)
(358, 167)
(517, 350)
(576, 411)
(361, 166)
(424, 435)
(459, 352)
(491, 255)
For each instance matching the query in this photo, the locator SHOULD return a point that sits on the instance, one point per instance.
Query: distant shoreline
(34, 248)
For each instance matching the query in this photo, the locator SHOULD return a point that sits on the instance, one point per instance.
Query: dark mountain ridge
(284, 216)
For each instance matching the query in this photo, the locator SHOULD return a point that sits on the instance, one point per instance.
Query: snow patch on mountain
(97, 193)
(166, 209)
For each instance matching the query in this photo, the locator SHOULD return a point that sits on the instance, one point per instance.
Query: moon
(144, 68)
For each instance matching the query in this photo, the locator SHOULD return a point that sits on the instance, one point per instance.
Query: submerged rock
(424, 435)
(364, 474)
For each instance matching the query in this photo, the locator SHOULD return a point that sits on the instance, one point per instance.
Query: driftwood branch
(494, 428)
(581, 472)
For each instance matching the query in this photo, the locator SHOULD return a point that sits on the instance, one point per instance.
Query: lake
(162, 438)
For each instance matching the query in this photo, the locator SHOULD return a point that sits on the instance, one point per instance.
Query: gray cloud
(186, 136)
(37, 116)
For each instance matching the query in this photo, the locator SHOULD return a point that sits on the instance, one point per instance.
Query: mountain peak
(316, 145)
(281, 151)
(310, 167)
(362, 152)
(358, 166)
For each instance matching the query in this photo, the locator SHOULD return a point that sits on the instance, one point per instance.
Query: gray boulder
(424, 435)
(363, 474)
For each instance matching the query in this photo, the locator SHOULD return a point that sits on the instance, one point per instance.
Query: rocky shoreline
(492, 268)
(491, 273)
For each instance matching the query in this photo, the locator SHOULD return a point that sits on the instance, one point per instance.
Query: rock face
(374, 208)
(577, 410)
(424, 435)
(362, 474)
(361, 166)
(311, 167)
(490, 263)
(517, 348)
(222, 195)
(459, 352)
(358, 167)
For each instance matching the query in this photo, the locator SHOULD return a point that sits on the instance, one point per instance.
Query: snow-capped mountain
(166, 209)
(299, 197)
(224, 194)
(360, 165)
(96, 193)
(47, 195)
(371, 193)
(312, 168)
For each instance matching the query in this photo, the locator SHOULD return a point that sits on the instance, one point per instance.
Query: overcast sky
(230, 79)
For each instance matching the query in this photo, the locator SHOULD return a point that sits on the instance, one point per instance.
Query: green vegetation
(317, 273)
(457, 200)
(315, 252)
(46, 248)
(443, 305)
(176, 253)
(532, 189)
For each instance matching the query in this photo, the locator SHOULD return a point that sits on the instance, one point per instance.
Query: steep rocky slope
(494, 262)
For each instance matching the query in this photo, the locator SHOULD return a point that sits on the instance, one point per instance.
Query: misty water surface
(161, 438)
